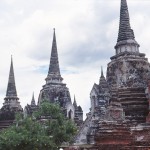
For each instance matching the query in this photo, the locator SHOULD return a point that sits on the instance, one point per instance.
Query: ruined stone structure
(78, 113)
(29, 109)
(129, 71)
(55, 91)
(11, 103)
(148, 117)
(100, 97)
(119, 116)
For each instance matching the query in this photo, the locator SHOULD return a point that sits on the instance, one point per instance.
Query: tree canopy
(47, 129)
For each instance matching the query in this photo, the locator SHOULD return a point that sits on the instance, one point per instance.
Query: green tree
(46, 130)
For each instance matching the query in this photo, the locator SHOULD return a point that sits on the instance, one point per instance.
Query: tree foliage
(46, 130)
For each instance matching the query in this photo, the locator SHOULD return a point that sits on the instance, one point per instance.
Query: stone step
(6, 121)
(121, 92)
(134, 119)
(132, 95)
(5, 124)
(133, 99)
(135, 107)
(2, 127)
(131, 90)
(134, 102)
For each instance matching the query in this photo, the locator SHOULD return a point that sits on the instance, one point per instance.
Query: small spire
(75, 103)
(54, 63)
(102, 80)
(33, 100)
(11, 88)
(102, 75)
(125, 31)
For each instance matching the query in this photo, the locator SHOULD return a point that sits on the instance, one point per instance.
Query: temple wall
(128, 71)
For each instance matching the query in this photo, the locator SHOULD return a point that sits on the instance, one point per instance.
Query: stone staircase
(5, 124)
(114, 95)
(134, 103)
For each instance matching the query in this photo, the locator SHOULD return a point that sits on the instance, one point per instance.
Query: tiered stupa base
(134, 103)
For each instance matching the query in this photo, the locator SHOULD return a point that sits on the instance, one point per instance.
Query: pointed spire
(54, 63)
(126, 34)
(11, 100)
(102, 75)
(75, 103)
(125, 31)
(54, 75)
(102, 80)
(33, 100)
(11, 88)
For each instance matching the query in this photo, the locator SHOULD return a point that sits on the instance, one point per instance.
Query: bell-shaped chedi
(129, 71)
(55, 91)
(11, 104)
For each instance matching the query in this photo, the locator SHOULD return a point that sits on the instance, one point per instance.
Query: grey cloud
(83, 55)
(97, 46)
(79, 53)
(41, 69)
(42, 48)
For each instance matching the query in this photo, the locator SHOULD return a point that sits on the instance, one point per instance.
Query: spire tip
(102, 71)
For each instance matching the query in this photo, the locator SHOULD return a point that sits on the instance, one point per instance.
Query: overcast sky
(86, 32)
